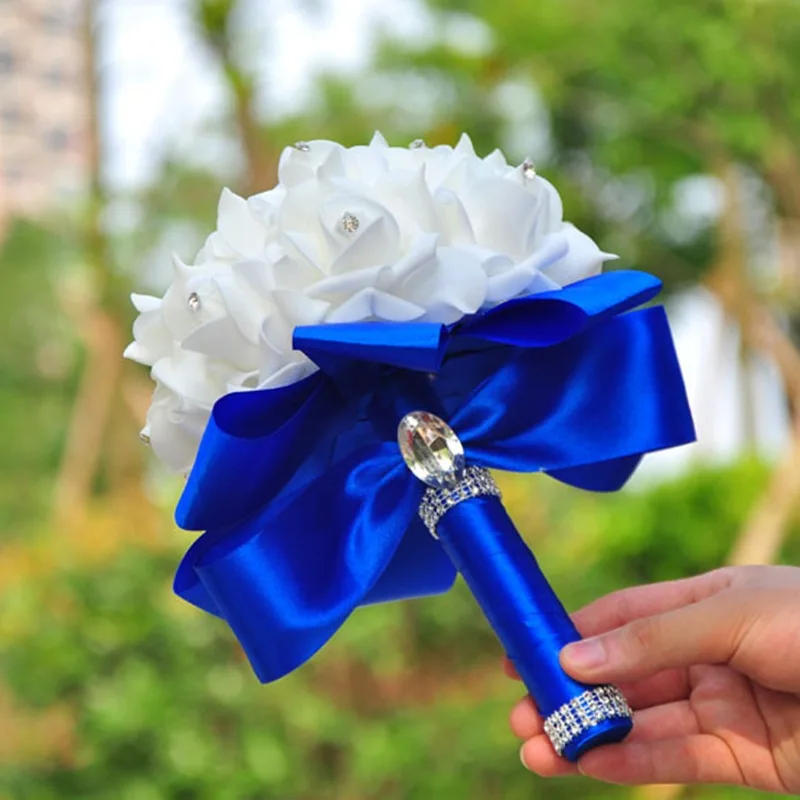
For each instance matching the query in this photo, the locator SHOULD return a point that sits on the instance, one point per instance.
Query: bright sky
(162, 85)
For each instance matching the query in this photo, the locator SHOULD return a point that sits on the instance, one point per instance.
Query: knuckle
(723, 577)
(642, 638)
(623, 606)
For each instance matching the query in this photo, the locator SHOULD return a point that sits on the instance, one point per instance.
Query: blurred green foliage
(112, 688)
(39, 358)
(406, 703)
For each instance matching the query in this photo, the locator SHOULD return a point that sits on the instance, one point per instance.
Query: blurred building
(43, 107)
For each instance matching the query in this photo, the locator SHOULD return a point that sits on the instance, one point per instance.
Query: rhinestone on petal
(349, 222)
(144, 437)
(431, 449)
(417, 144)
(193, 301)
(528, 170)
(303, 147)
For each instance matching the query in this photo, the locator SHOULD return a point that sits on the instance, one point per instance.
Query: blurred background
(673, 133)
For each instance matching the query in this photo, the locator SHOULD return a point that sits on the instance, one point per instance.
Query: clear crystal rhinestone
(144, 437)
(349, 222)
(431, 449)
(417, 144)
(528, 170)
(193, 301)
(303, 147)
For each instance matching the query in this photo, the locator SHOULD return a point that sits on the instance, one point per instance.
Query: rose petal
(454, 284)
(306, 249)
(407, 197)
(339, 287)
(175, 427)
(222, 340)
(295, 274)
(549, 213)
(290, 373)
(246, 308)
(526, 276)
(152, 340)
(376, 240)
(582, 259)
(454, 221)
(265, 206)
(502, 215)
(496, 161)
(378, 141)
(464, 146)
(374, 304)
(419, 255)
(145, 302)
(299, 309)
(241, 231)
(298, 166)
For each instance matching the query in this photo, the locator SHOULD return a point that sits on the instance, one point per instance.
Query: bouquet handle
(524, 611)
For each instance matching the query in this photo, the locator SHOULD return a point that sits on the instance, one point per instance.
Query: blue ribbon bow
(308, 508)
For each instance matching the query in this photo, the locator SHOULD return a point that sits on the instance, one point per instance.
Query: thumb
(708, 632)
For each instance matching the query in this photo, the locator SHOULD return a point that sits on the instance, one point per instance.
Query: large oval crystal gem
(431, 449)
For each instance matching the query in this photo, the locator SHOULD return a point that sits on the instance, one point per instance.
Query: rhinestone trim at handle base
(475, 482)
(583, 713)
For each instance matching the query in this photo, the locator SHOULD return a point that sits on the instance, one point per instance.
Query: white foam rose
(349, 234)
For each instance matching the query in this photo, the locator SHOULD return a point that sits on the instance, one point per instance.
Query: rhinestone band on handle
(475, 482)
(583, 713)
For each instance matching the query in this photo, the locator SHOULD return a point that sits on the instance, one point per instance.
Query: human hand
(711, 667)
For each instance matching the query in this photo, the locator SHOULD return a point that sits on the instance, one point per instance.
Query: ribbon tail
(287, 579)
(605, 476)
(586, 409)
(420, 567)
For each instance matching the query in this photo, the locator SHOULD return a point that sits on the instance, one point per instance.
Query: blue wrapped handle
(525, 613)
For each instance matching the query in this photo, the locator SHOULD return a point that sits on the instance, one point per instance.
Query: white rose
(349, 234)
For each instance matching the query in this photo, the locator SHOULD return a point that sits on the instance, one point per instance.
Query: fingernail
(522, 757)
(587, 654)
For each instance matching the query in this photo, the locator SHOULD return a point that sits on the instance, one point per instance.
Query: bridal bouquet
(349, 355)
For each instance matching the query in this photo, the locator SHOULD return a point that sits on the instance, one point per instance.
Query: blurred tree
(216, 23)
(100, 442)
(39, 354)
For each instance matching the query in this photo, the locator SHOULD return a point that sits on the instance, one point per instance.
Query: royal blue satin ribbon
(308, 508)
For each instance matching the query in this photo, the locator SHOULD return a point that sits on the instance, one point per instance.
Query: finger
(619, 608)
(525, 720)
(708, 632)
(665, 687)
(510, 670)
(668, 686)
(670, 721)
(701, 758)
(538, 756)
